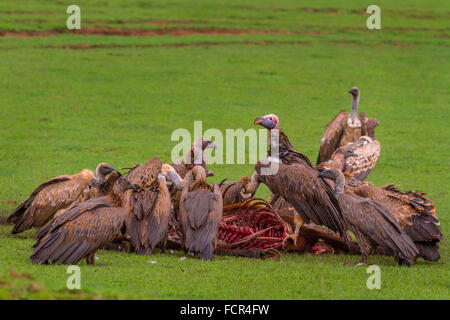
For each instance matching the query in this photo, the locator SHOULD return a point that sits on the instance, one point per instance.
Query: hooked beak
(209, 173)
(211, 145)
(263, 121)
(258, 120)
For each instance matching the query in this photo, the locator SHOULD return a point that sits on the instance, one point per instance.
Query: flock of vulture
(78, 214)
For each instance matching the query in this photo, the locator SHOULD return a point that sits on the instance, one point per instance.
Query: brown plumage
(56, 194)
(415, 212)
(240, 190)
(149, 207)
(200, 213)
(372, 223)
(297, 182)
(367, 150)
(343, 129)
(82, 229)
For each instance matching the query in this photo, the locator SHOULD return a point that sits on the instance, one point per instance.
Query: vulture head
(371, 124)
(354, 91)
(335, 175)
(269, 121)
(103, 169)
(196, 155)
(120, 186)
(346, 153)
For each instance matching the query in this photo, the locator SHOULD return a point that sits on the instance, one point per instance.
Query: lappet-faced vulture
(240, 190)
(343, 129)
(56, 194)
(149, 207)
(297, 182)
(81, 230)
(415, 212)
(200, 213)
(372, 223)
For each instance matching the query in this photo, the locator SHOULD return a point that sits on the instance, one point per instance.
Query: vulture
(239, 191)
(367, 151)
(56, 194)
(372, 223)
(195, 156)
(343, 129)
(200, 213)
(297, 182)
(415, 212)
(82, 229)
(338, 160)
(149, 207)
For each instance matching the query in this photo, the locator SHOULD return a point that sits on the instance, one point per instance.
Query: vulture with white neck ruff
(372, 223)
(57, 194)
(343, 129)
(297, 182)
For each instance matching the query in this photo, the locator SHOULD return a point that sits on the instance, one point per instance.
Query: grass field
(69, 101)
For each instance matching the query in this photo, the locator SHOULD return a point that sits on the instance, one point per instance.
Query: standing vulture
(372, 223)
(81, 230)
(297, 182)
(343, 129)
(239, 191)
(56, 194)
(367, 151)
(415, 212)
(200, 213)
(149, 207)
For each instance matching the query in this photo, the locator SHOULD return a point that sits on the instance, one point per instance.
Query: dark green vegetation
(70, 101)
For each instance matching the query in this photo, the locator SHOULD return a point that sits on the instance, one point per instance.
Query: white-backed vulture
(297, 182)
(367, 152)
(149, 207)
(56, 194)
(200, 213)
(240, 190)
(343, 129)
(372, 223)
(415, 212)
(81, 230)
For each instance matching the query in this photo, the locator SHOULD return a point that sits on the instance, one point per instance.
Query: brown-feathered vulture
(372, 223)
(200, 213)
(415, 212)
(343, 129)
(149, 207)
(81, 230)
(297, 182)
(240, 190)
(195, 156)
(367, 152)
(56, 194)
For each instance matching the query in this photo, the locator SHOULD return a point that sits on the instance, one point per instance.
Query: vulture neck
(338, 162)
(176, 179)
(99, 176)
(354, 107)
(339, 183)
(371, 132)
(254, 183)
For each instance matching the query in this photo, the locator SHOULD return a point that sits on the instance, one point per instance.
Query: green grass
(64, 110)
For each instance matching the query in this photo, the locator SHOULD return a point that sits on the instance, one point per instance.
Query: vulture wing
(377, 223)
(51, 196)
(80, 237)
(332, 136)
(367, 153)
(70, 214)
(308, 194)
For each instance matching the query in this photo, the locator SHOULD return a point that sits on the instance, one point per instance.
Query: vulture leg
(90, 259)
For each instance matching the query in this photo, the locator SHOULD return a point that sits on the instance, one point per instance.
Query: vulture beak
(211, 145)
(266, 123)
(209, 173)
